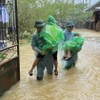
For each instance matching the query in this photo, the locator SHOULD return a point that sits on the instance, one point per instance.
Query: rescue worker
(36, 41)
(68, 35)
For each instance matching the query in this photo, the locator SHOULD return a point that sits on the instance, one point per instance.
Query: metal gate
(9, 45)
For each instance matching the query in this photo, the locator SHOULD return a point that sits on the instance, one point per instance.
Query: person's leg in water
(55, 63)
(67, 54)
(39, 56)
(68, 58)
(33, 66)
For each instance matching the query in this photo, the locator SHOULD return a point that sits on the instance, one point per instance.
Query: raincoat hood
(51, 19)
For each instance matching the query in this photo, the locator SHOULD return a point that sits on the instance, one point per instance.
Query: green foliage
(25, 35)
(2, 56)
(31, 10)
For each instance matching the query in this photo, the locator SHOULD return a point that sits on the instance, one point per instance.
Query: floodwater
(79, 83)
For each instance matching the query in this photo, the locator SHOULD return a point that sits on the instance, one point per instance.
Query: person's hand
(42, 52)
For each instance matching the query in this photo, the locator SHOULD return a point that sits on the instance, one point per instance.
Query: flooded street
(79, 83)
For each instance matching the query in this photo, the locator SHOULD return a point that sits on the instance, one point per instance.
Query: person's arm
(65, 54)
(34, 46)
(38, 50)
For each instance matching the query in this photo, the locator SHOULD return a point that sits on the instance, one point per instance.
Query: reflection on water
(79, 83)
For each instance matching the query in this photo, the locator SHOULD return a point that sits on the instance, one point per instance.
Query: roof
(92, 7)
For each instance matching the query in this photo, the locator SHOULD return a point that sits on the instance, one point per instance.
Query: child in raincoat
(73, 45)
(53, 35)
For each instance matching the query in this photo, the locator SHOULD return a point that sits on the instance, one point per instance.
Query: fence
(9, 45)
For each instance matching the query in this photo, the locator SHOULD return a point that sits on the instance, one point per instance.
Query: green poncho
(52, 34)
(74, 45)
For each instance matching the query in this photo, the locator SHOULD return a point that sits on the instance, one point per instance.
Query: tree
(31, 10)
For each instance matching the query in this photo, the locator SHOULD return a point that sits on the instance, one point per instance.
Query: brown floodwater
(79, 83)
